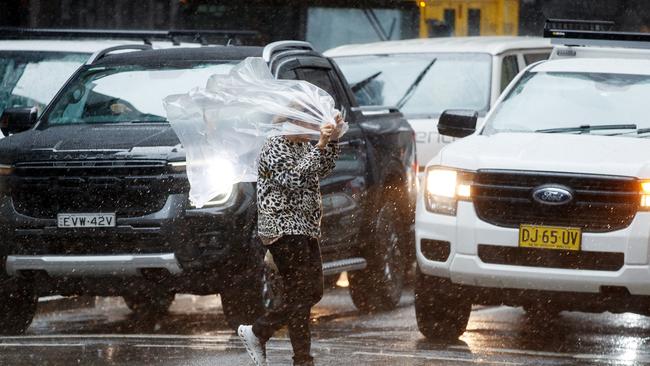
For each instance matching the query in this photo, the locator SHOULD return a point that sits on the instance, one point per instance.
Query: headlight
(6, 169)
(214, 179)
(444, 187)
(177, 166)
(645, 195)
(220, 198)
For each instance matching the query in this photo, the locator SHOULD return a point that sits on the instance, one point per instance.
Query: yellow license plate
(550, 237)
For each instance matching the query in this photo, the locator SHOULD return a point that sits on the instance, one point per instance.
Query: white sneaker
(254, 347)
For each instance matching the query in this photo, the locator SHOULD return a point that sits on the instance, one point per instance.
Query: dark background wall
(629, 15)
(276, 19)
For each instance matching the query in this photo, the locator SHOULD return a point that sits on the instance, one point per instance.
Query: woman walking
(289, 215)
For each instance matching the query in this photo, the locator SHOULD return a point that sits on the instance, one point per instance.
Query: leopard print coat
(288, 191)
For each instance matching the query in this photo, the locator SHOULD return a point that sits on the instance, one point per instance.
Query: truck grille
(130, 188)
(600, 204)
(551, 258)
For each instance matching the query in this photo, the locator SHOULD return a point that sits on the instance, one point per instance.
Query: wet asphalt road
(195, 333)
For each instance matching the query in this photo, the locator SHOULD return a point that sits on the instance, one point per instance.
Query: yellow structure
(468, 17)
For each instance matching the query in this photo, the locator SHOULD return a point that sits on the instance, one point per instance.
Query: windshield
(446, 81)
(574, 102)
(29, 78)
(127, 93)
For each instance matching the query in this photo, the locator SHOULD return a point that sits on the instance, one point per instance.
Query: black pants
(301, 269)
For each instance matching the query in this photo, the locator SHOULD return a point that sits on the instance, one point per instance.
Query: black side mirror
(14, 120)
(457, 123)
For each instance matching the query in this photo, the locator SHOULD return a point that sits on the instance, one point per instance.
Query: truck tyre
(441, 310)
(149, 304)
(17, 310)
(379, 286)
(245, 303)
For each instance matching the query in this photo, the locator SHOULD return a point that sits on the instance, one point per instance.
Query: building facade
(324, 23)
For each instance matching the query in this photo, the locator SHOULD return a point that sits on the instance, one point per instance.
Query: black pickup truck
(94, 193)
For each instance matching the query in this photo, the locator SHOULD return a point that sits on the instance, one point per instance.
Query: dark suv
(94, 194)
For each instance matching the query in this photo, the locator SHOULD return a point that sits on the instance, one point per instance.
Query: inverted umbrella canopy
(223, 126)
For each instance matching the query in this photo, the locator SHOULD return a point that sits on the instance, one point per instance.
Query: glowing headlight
(219, 172)
(6, 169)
(178, 166)
(219, 199)
(444, 187)
(645, 195)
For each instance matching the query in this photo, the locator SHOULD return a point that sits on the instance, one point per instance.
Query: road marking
(360, 353)
(490, 309)
(618, 358)
(42, 345)
(125, 336)
(435, 358)
(50, 298)
(217, 347)
(589, 356)
(224, 346)
(225, 340)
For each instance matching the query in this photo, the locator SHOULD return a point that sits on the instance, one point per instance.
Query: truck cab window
(322, 79)
(287, 74)
(509, 70)
(530, 58)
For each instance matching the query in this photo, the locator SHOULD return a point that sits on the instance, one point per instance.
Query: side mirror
(14, 120)
(457, 123)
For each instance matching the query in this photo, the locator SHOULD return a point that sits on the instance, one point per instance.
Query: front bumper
(196, 238)
(465, 232)
(97, 265)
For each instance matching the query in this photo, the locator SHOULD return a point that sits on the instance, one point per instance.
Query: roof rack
(571, 32)
(276, 47)
(101, 53)
(201, 36)
(194, 35)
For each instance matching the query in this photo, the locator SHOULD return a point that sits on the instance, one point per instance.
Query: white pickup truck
(424, 77)
(546, 204)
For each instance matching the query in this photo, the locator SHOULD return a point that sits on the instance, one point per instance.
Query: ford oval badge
(552, 195)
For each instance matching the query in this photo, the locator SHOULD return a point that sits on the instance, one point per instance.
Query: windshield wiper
(587, 128)
(361, 84)
(149, 121)
(414, 85)
(640, 131)
(149, 118)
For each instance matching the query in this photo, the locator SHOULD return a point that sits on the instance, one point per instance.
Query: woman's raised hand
(326, 132)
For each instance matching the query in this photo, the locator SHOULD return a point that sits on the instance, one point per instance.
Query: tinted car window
(530, 58)
(29, 78)
(321, 78)
(546, 100)
(509, 70)
(452, 81)
(127, 93)
(288, 74)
